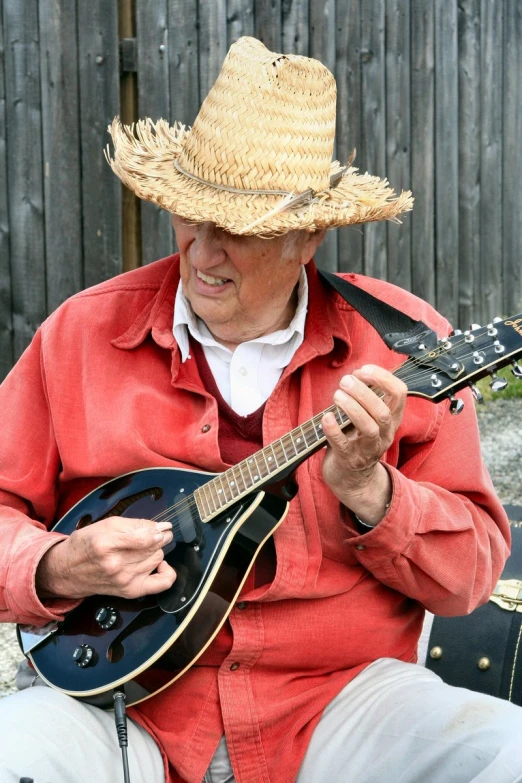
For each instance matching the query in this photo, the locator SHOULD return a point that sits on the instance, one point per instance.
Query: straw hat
(258, 159)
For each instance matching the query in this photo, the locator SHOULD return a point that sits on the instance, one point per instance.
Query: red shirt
(101, 391)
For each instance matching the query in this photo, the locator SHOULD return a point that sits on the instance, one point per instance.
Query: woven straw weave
(267, 124)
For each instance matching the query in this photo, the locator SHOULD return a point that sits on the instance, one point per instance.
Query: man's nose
(208, 249)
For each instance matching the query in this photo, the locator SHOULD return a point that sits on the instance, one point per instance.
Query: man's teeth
(211, 280)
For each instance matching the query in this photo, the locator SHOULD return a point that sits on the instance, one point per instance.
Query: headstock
(464, 358)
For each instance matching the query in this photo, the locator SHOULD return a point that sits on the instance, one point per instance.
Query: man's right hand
(115, 556)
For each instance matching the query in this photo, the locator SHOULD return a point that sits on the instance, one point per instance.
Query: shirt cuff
(22, 599)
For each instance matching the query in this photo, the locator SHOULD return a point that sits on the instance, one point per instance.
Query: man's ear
(311, 243)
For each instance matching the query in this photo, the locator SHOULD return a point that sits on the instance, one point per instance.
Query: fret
(214, 506)
(231, 481)
(319, 434)
(299, 442)
(309, 436)
(222, 491)
(204, 490)
(248, 483)
(268, 469)
(274, 456)
(240, 479)
(260, 467)
(290, 445)
(280, 441)
(200, 500)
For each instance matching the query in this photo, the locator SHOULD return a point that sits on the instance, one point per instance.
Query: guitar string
(406, 370)
(191, 502)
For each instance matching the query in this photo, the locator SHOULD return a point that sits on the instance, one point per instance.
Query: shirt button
(241, 605)
(360, 546)
(205, 428)
(234, 666)
(243, 371)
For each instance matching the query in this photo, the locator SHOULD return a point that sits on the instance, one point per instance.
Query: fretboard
(264, 466)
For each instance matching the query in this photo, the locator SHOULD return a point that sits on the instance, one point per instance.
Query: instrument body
(151, 641)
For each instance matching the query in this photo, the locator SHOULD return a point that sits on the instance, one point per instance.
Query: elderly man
(198, 361)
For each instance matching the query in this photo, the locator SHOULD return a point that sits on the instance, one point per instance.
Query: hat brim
(145, 157)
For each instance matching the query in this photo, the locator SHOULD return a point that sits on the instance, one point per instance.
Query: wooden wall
(429, 93)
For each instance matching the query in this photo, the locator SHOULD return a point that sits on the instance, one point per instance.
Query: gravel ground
(501, 432)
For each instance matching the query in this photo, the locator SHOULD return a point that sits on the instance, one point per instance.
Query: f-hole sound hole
(154, 493)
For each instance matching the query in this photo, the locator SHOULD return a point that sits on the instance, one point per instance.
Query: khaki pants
(395, 723)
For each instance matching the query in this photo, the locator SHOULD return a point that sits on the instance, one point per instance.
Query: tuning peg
(497, 320)
(477, 394)
(456, 406)
(474, 326)
(517, 370)
(456, 332)
(496, 383)
(492, 332)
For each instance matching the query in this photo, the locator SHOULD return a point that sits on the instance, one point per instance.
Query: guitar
(220, 522)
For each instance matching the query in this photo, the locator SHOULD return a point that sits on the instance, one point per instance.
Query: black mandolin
(220, 523)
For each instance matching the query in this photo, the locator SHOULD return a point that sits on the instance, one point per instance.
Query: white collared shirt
(247, 376)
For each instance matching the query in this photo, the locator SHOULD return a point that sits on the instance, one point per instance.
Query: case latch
(508, 595)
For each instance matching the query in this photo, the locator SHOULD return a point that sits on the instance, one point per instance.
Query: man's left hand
(373, 399)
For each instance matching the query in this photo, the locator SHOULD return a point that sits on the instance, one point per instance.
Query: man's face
(240, 286)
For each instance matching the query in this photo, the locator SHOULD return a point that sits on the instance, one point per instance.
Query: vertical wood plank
(398, 134)
(24, 169)
(349, 112)
(61, 151)
(130, 204)
(240, 19)
(423, 143)
(469, 161)
(183, 61)
(6, 324)
(99, 103)
(374, 124)
(491, 159)
(512, 158)
(322, 47)
(295, 32)
(267, 23)
(154, 102)
(212, 42)
(446, 160)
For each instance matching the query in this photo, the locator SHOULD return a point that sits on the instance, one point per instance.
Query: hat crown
(268, 123)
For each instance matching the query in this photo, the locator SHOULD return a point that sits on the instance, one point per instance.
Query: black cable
(120, 719)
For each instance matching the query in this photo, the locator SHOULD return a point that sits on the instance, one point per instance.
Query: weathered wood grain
(240, 19)
(267, 23)
(99, 103)
(491, 158)
(374, 124)
(152, 36)
(212, 42)
(183, 61)
(446, 161)
(295, 26)
(130, 204)
(398, 134)
(322, 47)
(512, 159)
(469, 160)
(423, 146)
(349, 125)
(6, 321)
(61, 151)
(24, 169)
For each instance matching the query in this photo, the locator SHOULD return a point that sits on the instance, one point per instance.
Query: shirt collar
(186, 321)
(327, 325)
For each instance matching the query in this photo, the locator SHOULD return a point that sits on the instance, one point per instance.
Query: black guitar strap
(400, 332)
